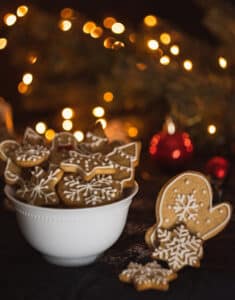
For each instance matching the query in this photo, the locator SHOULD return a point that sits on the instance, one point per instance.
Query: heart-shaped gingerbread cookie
(187, 199)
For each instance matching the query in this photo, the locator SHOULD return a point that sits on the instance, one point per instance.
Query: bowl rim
(9, 192)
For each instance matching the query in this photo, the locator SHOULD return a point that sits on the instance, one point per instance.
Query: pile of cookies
(185, 219)
(66, 173)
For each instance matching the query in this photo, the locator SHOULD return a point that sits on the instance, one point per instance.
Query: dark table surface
(25, 275)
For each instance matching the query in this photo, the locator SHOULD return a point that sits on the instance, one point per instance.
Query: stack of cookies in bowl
(67, 192)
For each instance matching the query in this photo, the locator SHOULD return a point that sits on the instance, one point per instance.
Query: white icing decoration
(96, 191)
(185, 207)
(149, 274)
(31, 153)
(40, 186)
(178, 247)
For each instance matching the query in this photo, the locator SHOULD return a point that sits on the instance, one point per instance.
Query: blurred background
(157, 71)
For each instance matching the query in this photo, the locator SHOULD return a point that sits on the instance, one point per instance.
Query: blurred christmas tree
(137, 77)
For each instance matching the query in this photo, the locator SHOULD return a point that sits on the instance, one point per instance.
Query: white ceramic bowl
(72, 237)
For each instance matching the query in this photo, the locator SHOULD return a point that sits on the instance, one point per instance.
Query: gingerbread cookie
(178, 247)
(11, 173)
(148, 276)
(74, 191)
(88, 165)
(62, 143)
(6, 148)
(39, 189)
(187, 199)
(31, 152)
(125, 159)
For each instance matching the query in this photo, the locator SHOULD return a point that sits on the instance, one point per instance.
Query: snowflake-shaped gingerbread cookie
(40, 188)
(178, 247)
(148, 276)
(76, 192)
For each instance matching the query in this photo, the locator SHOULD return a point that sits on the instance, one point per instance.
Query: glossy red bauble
(217, 167)
(171, 150)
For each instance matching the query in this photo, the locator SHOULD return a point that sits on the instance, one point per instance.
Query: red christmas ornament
(171, 148)
(217, 167)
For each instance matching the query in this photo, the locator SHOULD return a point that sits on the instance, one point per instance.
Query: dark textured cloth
(25, 275)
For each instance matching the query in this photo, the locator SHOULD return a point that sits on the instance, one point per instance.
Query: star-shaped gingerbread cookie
(148, 276)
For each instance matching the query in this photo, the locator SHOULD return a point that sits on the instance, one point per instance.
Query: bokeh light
(222, 61)
(22, 10)
(98, 111)
(9, 19)
(79, 135)
(50, 134)
(67, 125)
(108, 22)
(153, 44)
(88, 27)
(175, 50)
(211, 129)
(67, 113)
(188, 65)
(27, 78)
(3, 43)
(41, 127)
(165, 60)
(132, 131)
(150, 21)
(118, 28)
(165, 38)
(108, 96)
(65, 25)
(102, 122)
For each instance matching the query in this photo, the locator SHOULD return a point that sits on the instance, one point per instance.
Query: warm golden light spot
(118, 28)
(117, 45)
(188, 65)
(67, 113)
(67, 125)
(108, 96)
(132, 131)
(32, 59)
(88, 27)
(79, 135)
(3, 43)
(67, 13)
(222, 61)
(211, 129)
(141, 66)
(165, 60)
(27, 78)
(98, 111)
(165, 38)
(108, 42)
(22, 11)
(108, 22)
(65, 25)
(9, 19)
(153, 44)
(41, 127)
(150, 21)
(50, 134)
(102, 122)
(22, 88)
(96, 32)
(175, 50)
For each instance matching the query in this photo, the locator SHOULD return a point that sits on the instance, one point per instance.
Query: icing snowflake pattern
(186, 207)
(148, 276)
(180, 248)
(98, 190)
(40, 190)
